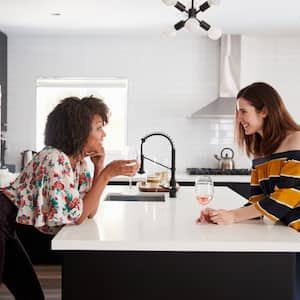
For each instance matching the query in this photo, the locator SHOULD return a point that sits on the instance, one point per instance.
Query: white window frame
(90, 83)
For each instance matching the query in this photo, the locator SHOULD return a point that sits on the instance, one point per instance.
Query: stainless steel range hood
(229, 82)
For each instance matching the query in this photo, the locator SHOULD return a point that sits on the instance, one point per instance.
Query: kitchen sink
(138, 197)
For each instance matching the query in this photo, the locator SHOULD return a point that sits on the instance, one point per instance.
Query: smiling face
(96, 135)
(250, 119)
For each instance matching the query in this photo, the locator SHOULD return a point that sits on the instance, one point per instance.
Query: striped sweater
(275, 187)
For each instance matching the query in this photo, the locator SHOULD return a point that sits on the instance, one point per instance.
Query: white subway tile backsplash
(168, 80)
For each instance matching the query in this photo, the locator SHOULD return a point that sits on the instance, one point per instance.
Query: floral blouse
(48, 192)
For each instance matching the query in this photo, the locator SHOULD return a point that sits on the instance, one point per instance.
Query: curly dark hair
(69, 124)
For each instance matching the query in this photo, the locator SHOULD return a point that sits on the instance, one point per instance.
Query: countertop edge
(183, 177)
(171, 247)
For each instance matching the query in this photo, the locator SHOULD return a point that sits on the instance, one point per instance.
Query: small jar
(153, 180)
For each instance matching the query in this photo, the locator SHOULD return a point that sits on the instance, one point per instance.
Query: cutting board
(147, 187)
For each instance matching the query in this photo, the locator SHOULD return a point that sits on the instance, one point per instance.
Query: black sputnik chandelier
(192, 23)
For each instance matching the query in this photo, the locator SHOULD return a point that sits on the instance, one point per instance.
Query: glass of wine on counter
(204, 190)
(130, 153)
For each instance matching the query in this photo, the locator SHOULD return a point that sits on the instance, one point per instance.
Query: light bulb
(171, 32)
(214, 33)
(169, 2)
(197, 3)
(213, 2)
(181, 15)
(192, 25)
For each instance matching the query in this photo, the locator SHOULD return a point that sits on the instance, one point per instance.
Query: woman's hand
(217, 216)
(97, 159)
(222, 216)
(121, 167)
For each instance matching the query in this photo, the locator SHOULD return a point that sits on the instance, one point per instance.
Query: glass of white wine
(130, 153)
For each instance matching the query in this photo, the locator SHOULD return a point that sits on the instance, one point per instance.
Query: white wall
(275, 60)
(168, 80)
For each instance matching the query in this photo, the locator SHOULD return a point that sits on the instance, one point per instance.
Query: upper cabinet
(3, 80)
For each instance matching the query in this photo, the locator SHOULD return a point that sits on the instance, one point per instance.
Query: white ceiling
(144, 16)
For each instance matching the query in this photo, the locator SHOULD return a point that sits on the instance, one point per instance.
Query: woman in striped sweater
(268, 133)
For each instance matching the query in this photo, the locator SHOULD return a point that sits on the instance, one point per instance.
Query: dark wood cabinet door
(3, 78)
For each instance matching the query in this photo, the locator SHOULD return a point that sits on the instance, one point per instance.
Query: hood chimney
(229, 81)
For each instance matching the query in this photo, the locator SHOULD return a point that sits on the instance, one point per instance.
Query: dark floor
(50, 278)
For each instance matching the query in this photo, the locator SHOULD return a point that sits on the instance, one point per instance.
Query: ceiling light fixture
(192, 23)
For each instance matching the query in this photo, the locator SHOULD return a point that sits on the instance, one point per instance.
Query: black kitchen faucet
(172, 188)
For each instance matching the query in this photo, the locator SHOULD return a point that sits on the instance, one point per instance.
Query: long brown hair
(276, 124)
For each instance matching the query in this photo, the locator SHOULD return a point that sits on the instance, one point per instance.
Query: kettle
(226, 161)
(26, 157)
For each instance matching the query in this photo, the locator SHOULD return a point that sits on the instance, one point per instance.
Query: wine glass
(130, 153)
(204, 190)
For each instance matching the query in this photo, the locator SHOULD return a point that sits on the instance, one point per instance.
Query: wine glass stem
(130, 183)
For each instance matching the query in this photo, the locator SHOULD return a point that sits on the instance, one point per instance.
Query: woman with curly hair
(56, 187)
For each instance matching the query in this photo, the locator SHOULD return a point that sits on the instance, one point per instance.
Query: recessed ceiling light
(56, 14)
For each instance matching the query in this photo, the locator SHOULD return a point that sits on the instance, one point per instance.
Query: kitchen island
(155, 250)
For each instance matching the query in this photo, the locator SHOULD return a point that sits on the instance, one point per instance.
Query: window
(113, 91)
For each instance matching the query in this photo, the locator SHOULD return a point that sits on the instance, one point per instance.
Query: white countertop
(170, 226)
(184, 177)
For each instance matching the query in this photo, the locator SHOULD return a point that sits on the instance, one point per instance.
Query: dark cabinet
(37, 245)
(3, 85)
(3, 78)
(242, 188)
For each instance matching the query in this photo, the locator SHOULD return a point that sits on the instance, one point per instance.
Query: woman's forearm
(91, 199)
(246, 213)
(97, 173)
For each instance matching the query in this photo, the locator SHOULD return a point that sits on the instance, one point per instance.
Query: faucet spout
(172, 189)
